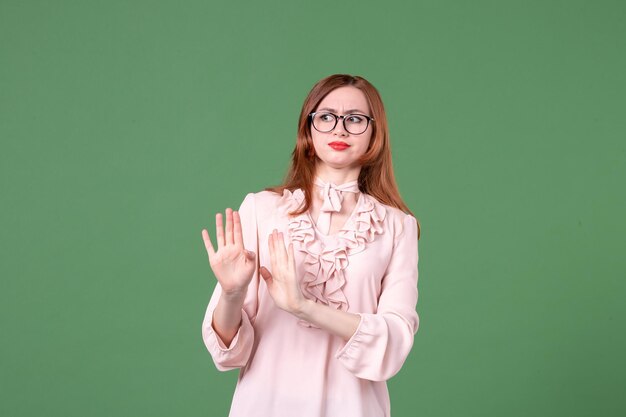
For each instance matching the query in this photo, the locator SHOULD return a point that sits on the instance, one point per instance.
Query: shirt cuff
(219, 345)
(350, 349)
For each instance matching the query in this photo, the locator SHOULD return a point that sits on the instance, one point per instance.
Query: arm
(283, 287)
(382, 341)
(227, 329)
(377, 344)
(227, 317)
(337, 322)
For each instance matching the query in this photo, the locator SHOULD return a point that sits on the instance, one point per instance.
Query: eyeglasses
(353, 123)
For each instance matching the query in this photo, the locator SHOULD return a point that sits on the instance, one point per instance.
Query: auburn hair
(376, 177)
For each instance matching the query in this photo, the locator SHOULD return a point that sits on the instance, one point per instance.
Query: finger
(238, 234)
(272, 249)
(278, 245)
(281, 253)
(265, 273)
(229, 226)
(219, 232)
(290, 255)
(292, 259)
(207, 243)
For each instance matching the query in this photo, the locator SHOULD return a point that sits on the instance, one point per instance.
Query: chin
(338, 164)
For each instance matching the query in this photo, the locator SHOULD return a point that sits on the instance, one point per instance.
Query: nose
(340, 129)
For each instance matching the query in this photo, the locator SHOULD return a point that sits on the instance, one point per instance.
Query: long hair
(376, 177)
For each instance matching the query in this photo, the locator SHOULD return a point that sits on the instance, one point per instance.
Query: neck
(337, 176)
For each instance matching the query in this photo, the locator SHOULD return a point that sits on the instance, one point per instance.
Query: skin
(341, 166)
(233, 265)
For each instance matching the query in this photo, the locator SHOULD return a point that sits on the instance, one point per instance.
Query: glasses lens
(324, 122)
(355, 124)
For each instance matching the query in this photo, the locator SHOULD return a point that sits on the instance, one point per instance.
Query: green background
(126, 125)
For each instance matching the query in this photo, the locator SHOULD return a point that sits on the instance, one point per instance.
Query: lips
(338, 145)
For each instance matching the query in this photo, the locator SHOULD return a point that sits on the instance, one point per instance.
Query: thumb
(250, 255)
(267, 276)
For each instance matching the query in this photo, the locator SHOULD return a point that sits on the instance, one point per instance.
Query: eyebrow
(347, 111)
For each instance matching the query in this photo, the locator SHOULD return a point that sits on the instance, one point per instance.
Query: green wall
(126, 125)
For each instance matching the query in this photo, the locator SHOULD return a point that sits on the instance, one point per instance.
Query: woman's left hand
(282, 283)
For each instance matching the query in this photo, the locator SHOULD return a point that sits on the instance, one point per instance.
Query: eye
(354, 118)
(326, 117)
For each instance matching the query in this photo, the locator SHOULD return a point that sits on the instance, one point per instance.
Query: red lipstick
(338, 146)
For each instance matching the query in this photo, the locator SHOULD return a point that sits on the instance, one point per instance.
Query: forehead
(345, 98)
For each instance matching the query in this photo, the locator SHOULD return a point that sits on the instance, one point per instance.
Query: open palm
(282, 282)
(232, 264)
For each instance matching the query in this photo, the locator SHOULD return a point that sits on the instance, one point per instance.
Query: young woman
(317, 278)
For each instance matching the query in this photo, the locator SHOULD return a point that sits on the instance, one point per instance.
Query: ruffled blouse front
(289, 367)
(326, 257)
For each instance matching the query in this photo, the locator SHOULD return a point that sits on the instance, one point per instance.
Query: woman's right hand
(232, 264)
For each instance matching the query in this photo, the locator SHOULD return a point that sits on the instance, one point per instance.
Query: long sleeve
(383, 340)
(238, 353)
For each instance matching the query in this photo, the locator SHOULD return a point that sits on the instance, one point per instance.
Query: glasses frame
(369, 119)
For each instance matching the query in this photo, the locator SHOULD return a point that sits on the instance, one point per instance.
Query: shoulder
(259, 201)
(263, 197)
(393, 214)
(397, 221)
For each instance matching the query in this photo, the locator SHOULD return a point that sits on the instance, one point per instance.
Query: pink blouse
(289, 367)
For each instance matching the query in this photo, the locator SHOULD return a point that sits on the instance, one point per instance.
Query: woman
(317, 278)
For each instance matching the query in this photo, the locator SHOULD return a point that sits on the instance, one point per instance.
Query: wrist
(304, 310)
(235, 296)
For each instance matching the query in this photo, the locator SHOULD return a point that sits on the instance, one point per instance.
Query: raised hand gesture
(232, 264)
(282, 282)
